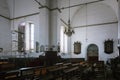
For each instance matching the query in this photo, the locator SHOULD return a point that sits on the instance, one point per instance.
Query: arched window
(63, 41)
(26, 37)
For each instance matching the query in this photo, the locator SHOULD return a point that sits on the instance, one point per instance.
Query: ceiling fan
(68, 30)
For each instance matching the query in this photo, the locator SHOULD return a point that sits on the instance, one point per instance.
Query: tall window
(26, 37)
(63, 41)
(29, 37)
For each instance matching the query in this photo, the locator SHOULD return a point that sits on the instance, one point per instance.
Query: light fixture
(69, 30)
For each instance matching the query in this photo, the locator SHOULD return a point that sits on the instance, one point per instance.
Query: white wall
(118, 20)
(4, 10)
(97, 13)
(40, 20)
(5, 36)
(96, 35)
(22, 7)
(5, 32)
(47, 24)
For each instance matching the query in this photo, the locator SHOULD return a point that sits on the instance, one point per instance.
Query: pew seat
(10, 75)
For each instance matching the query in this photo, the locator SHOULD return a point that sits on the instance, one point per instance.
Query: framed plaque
(77, 47)
(108, 46)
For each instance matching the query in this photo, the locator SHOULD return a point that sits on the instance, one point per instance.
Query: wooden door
(92, 52)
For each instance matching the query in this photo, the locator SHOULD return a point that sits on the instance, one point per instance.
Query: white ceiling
(112, 3)
(74, 2)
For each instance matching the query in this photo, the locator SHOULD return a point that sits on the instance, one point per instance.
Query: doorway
(92, 52)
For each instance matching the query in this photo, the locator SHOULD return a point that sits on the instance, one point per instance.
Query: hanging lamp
(68, 30)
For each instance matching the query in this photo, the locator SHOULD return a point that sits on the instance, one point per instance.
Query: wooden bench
(27, 73)
(6, 66)
(69, 72)
(10, 75)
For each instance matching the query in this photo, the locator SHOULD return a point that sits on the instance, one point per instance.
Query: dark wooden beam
(96, 24)
(5, 17)
(80, 4)
(26, 15)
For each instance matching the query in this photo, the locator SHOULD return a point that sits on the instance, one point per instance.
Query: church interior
(59, 39)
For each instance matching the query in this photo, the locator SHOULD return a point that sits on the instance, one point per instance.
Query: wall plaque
(108, 46)
(77, 47)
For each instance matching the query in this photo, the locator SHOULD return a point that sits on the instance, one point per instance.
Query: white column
(118, 25)
(119, 19)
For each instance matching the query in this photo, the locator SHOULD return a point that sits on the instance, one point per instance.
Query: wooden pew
(37, 72)
(27, 73)
(10, 75)
(5, 66)
(67, 64)
(56, 71)
(70, 71)
(99, 70)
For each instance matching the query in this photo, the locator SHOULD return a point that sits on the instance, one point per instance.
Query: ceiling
(74, 2)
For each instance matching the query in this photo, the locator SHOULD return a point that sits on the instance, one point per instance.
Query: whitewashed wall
(4, 9)
(5, 37)
(97, 13)
(20, 8)
(47, 24)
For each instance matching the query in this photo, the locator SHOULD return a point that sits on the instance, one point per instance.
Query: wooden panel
(6, 66)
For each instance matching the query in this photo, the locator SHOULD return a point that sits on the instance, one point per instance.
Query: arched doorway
(92, 52)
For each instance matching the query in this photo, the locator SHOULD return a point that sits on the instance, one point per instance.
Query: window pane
(32, 36)
(65, 43)
(63, 40)
(27, 36)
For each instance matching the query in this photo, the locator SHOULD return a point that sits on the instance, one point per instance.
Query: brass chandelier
(68, 30)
